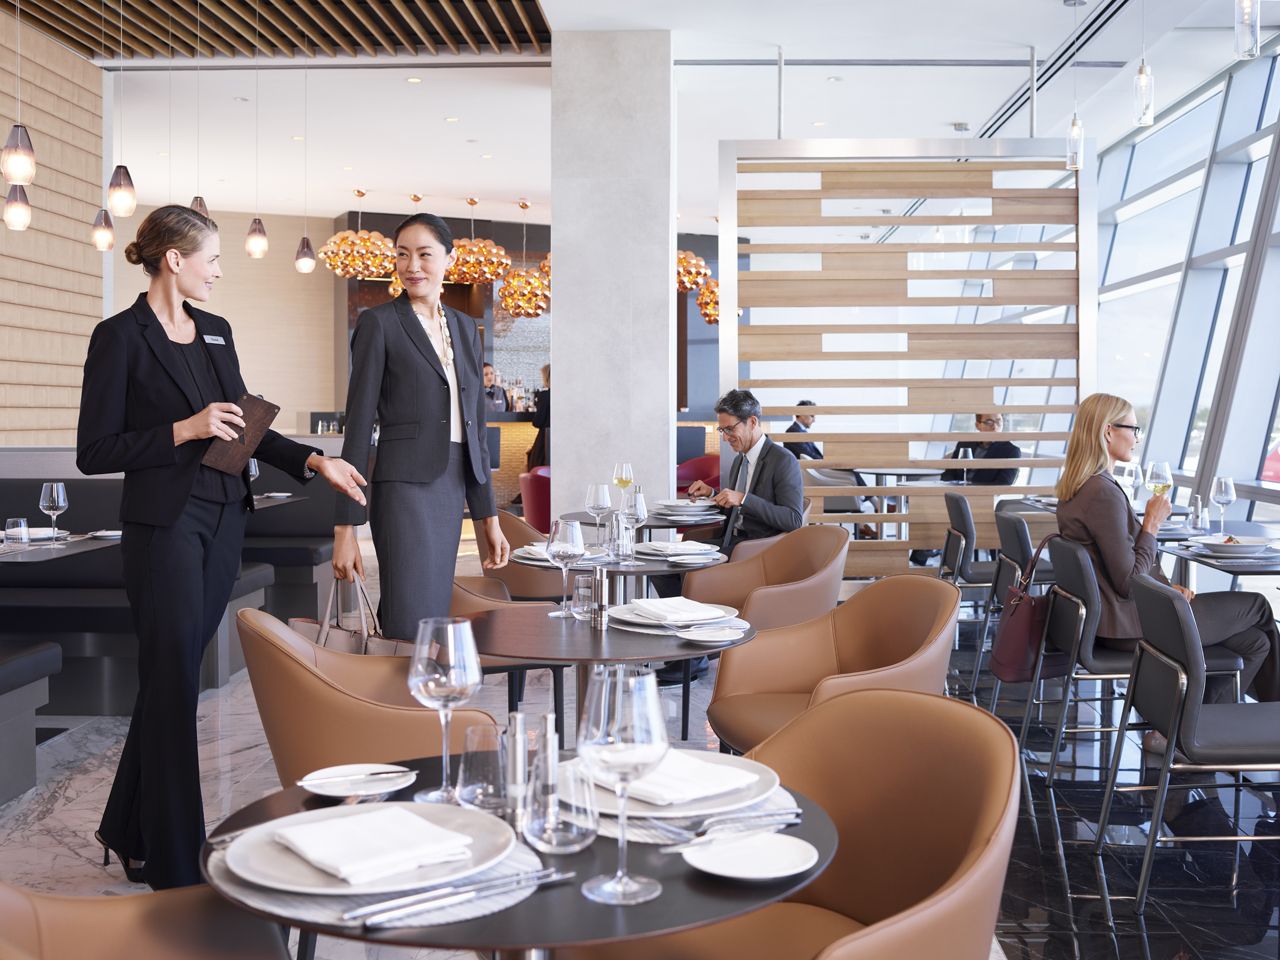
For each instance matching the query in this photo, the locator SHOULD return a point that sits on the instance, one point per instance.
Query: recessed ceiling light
(819, 123)
(960, 127)
(163, 153)
(412, 79)
(450, 119)
(486, 156)
(346, 168)
(296, 137)
(472, 140)
(240, 99)
(835, 79)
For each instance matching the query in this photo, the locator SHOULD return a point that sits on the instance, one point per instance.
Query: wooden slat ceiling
(212, 28)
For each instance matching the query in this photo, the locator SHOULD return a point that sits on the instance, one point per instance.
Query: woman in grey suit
(416, 369)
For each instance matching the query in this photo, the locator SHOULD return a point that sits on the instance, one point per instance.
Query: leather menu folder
(232, 456)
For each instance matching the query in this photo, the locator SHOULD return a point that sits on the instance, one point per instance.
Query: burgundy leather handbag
(1021, 627)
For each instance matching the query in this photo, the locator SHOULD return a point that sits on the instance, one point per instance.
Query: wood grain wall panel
(891, 166)
(50, 275)
(1027, 292)
(886, 264)
(825, 292)
(876, 249)
(907, 382)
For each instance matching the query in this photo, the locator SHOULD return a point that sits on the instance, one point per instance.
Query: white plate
(46, 533)
(257, 857)
(711, 636)
(1265, 554)
(1247, 547)
(765, 784)
(694, 560)
(686, 503)
(627, 613)
(356, 787)
(107, 534)
(763, 856)
(275, 495)
(693, 549)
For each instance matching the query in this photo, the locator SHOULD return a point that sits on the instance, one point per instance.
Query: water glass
(561, 813)
(622, 736)
(1224, 495)
(443, 672)
(16, 531)
(53, 501)
(580, 605)
(598, 505)
(564, 549)
(965, 456)
(482, 777)
(622, 540)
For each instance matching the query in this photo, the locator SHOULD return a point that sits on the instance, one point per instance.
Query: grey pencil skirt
(416, 528)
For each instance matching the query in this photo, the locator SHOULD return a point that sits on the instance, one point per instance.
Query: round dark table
(652, 523)
(560, 916)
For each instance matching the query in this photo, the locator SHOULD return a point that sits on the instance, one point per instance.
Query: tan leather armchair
(191, 923)
(523, 582)
(320, 707)
(894, 634)
(924, 793)
(795, 578)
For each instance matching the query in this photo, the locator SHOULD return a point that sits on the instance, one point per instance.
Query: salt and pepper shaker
(1196, 520)
(517, 772)
(599, 599)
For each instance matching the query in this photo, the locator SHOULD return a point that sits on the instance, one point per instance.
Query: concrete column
(613, 369)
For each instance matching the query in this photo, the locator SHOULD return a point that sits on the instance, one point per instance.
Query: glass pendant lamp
(255, 242)
(17, 211)
(197, 204)
(104, 233)
(304, 261)
(18, 161)
(1248, 28)
(1075, 142)
(1144, 96)
(122, 199)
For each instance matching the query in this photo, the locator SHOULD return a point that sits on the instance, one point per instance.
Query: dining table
(529, 634)
(1187, 558)
(43, 552)
(645, 527)
(620, 573)
(553, 916)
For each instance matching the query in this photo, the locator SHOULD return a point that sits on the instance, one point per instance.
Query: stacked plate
(691, 512)
(688, 553)
(715, 625)
(536, 554)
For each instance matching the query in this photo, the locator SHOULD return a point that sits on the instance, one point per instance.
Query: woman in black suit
(416, 369)
(159, 383)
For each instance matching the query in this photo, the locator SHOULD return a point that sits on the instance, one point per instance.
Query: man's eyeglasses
(1137, 430)
(988, 422)
(725, 431)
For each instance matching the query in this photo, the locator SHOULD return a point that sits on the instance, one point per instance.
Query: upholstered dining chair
(190, 923)
(894, 634)
(522, 581)
(535, 496)
(320, 707)
(959, 549)
(924, 792)
(1201, 739)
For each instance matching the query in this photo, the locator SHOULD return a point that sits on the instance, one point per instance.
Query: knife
(378, 914)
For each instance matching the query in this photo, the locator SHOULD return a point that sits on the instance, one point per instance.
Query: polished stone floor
(1054, 904)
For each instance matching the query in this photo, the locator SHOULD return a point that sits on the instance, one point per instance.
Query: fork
(767, 818)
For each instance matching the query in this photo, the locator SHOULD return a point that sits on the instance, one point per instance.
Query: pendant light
(1248, 29)
(104, 233)
(17, 211)
(1075, 133)
(1144, 83)
(18, 160)
(197, 202)
(198, 205)
(122, 199)
(255, 242)
(304, 261)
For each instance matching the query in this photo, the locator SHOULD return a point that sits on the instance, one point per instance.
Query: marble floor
(1059, 901)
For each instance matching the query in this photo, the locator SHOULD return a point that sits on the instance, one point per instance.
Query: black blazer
(999, 450)
(135, 389)
(806, 448)
(397, 379)
(775, 502)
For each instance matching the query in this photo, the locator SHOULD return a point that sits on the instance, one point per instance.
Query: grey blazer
(1100, 518)
(775, 502)
(397, 378)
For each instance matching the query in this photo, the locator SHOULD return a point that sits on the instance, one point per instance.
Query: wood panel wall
(840, 282)
(50, 274)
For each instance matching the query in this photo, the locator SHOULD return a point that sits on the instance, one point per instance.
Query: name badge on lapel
(210, 338)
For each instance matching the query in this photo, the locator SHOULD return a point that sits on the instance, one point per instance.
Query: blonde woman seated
(1094, 511)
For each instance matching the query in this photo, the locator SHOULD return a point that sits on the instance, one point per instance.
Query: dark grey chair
(959, 553)
(1167, 689)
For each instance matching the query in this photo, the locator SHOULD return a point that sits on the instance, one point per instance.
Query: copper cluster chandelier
(691, 271)
(477, 260)
(359, 254)
(709, 301)
(526, 292)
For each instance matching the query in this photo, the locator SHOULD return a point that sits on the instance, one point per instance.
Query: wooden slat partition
(876, 307)
(50, 274)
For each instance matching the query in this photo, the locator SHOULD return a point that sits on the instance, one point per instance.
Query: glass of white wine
(1159, 478)
(1224, 495)
(622, 476)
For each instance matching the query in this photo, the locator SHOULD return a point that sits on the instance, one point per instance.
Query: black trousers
(178, 580)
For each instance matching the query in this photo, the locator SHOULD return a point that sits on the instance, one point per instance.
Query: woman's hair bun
(132, 254)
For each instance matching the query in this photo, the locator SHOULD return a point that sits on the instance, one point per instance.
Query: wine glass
(622, 737)
(622, 476)
(964, 454)
(444, 672)
(1159, 478)
(53, 501)
(254, 472)
(598, 504)
(564, 549)
(633, 512)
(1224, 495)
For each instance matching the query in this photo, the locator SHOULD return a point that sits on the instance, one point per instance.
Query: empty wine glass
(622, 737)
(53, 501)
(598, 504)
(444, 672)
(1224, 495)
(254, 472)
(633, 513)
(564, 549)
(965, 456)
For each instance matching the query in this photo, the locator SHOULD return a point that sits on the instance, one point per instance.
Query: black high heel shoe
(132, 873)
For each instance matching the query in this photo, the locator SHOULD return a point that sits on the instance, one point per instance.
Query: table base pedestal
(529, 953)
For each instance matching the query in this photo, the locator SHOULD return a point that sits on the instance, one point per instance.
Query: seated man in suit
(987, 450)
(801, 424)
(764, 496)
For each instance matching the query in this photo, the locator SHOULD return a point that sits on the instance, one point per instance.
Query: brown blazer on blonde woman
(1100, 517)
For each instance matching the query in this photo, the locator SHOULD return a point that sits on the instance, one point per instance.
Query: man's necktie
(740, 466)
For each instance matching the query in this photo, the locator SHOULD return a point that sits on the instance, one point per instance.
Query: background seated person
(801, 424)
(764, 496)
(987, 450)
(1094, 511)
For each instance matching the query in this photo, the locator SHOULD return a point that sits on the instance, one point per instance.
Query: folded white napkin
(538, 551)
(370, 846)
(676, 610)
(682, 777)
(679, 548)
